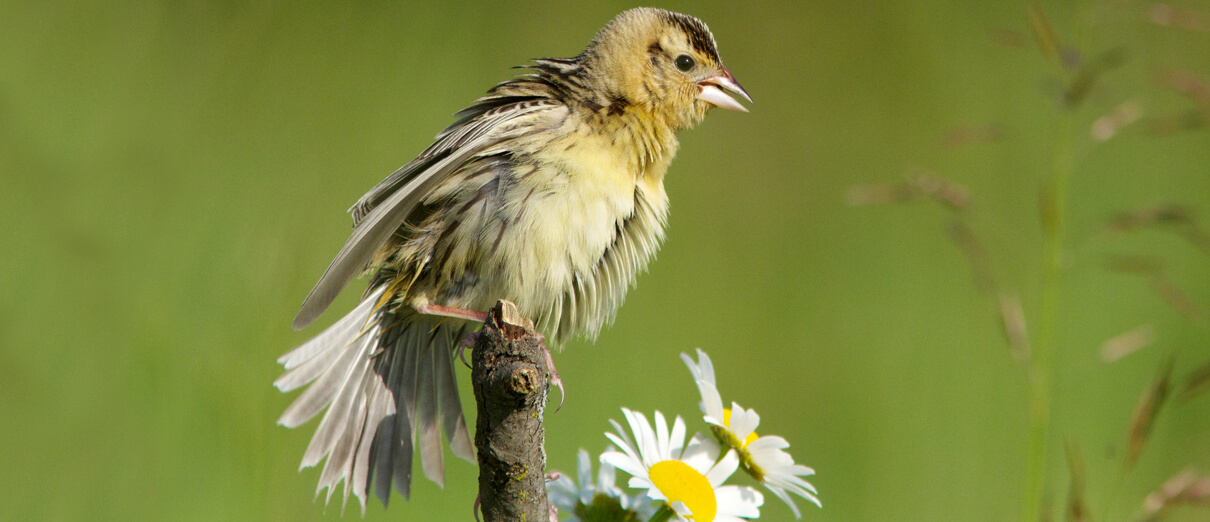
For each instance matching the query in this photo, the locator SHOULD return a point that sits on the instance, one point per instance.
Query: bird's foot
(550, 368)
(467, 342)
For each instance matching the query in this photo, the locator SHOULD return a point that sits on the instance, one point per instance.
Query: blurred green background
(174, 175)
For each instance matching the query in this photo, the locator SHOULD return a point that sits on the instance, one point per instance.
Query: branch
(510, 382)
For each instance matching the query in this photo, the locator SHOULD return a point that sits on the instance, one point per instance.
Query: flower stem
(1041, 365)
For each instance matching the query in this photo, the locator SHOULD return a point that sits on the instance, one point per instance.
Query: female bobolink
(548, 192)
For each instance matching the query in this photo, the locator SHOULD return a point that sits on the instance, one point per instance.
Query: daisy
(687, 479)
(760, 456)
(600, 501)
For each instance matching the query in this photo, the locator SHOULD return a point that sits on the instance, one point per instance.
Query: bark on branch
(510, 381)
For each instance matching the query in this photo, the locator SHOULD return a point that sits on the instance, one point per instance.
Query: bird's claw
(467, 342)
(554, 373)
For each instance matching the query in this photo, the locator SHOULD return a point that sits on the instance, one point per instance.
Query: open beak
(712, 91)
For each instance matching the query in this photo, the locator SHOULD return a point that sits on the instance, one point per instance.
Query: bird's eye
(685, 63)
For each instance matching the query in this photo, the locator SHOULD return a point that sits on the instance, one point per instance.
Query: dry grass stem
(1173, 123)
(1007, 37)
(1155, 214)
(1180, 301)
(1168, 16)
(919, 185)
(1187, 84)
(1172, 294)
(1197, 382)
(1192, 87)
(1044, 34)
(1012, 316)
(1127, 343)
(1177, 218)
(1148, 410)
(1185, 488)
(1077, 505)
(1119, 118)
(976, 255)
(973, 135)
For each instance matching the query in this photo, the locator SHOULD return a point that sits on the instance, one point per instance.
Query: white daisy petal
(702, 371)
(770, 442)
(743, 422)
(712, 402)
(797, 485)
(621, 444)
(677, 438)
(742, 501)
(661, 433)
(701, 453)
(801, 470)
(626, 444)
(639, 482)
(584, 475)
(607, 478)
(644, 436)
(781, 493)
(625, 463)
(706, 366)
(563, 493)
(723, 469)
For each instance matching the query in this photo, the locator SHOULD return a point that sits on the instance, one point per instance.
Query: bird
(548, 192)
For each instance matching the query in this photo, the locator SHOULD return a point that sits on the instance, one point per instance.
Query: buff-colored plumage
(547, 192)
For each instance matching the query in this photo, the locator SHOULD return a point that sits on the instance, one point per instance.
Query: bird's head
(665, 63)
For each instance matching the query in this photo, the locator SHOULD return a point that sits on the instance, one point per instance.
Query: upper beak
(712, 94)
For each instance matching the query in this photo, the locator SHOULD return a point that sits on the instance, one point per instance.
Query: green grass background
(174, 175)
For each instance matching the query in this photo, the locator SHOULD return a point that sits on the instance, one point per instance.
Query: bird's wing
(385, 207)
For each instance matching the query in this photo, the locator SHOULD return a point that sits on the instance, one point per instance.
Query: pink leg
(479, 317)
(449, 311)
(457, 313)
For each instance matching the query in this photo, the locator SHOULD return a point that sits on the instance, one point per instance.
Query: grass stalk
(1041, 364)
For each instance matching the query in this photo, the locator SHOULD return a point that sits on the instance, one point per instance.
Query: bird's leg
(449, 311)
(469, 340)
(456, 313)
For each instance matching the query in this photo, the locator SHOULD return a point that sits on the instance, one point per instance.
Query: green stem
(1041, 365)
(663, 515)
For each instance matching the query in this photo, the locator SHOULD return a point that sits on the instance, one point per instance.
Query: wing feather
(388, 204)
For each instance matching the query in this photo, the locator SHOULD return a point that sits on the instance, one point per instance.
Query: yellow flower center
(679, 482)
(751, 436)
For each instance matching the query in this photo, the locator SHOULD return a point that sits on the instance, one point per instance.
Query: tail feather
(388, 383)
(343, 434)
(324, 389)
(428, 429)
(346, 390)
(330, 338)
(307, 371)
(451, 408)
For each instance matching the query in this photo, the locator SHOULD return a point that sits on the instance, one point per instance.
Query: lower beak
(712, 91)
